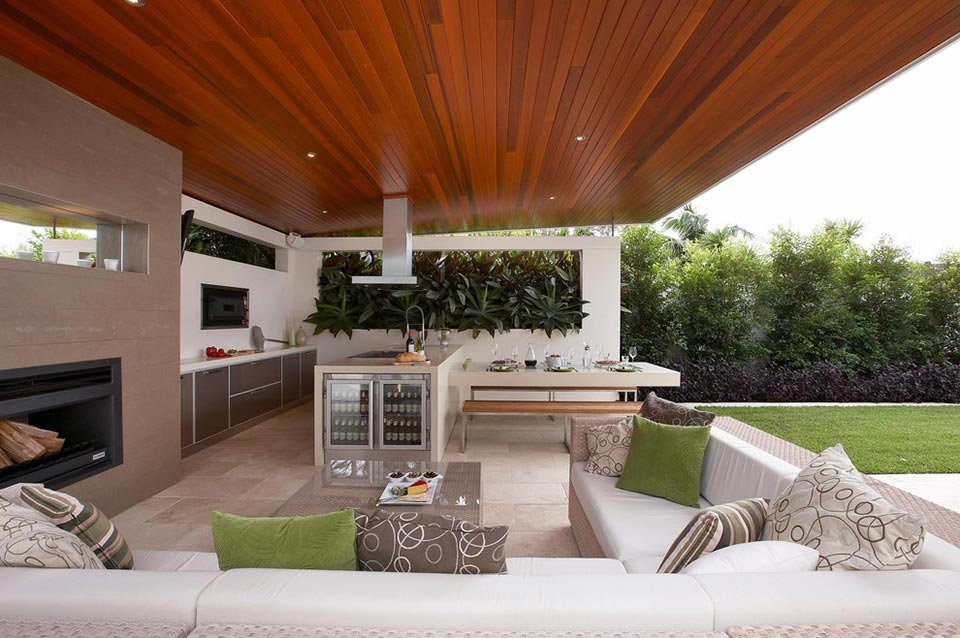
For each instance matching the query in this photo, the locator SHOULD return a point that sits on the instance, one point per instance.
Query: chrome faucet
(423, 324)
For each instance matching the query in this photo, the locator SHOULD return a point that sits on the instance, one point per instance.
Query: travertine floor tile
(556, 543)
(211, 486)
(524, 493)
(550, 474)
(499, 514)
(541, 517)
(202, 467)
(276, 488)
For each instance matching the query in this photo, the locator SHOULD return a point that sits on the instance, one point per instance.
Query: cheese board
(425, 498)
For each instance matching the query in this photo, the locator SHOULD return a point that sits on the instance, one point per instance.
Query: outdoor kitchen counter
(195, 364)
(444, 402)
(647, 375)
(437, 356)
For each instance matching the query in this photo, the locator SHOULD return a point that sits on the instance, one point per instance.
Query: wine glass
(632, 352)
(515, 354)
(495, 350)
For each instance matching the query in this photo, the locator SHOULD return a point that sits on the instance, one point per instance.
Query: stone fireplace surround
(64, 149)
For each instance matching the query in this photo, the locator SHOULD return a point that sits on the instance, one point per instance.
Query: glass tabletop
(358, 483)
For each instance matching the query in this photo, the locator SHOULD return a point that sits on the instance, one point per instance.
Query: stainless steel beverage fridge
(381, 411)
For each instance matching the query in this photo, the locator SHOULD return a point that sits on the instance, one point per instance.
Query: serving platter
(387, 498)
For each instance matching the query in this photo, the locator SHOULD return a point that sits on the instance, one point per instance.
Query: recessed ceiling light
(136, 3)
(323, 212)
(580, 138)
(311, 154)
(552, 197)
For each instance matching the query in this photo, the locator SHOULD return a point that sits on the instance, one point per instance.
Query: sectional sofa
(612, 591)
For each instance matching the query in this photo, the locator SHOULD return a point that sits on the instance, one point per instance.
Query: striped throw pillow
(713, 528)
(83, 520)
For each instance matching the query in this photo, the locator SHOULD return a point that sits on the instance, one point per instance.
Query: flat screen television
(224, 307)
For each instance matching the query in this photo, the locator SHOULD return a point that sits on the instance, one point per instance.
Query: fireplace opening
(61, 423)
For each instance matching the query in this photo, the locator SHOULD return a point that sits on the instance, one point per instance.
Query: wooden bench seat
(551, 407)
(565, 408)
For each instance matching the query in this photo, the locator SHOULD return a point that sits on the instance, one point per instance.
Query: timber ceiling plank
(470, 107)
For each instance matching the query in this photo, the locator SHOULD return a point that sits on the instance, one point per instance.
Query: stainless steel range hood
(397, 246)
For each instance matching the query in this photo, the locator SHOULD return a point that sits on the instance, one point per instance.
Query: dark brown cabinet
(214, 400)
(186, 410)
(307, 362)
(291, 378)
(212, 404)
(250, 405)
(256, 374)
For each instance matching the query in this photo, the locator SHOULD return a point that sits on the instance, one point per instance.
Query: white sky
(890, 158)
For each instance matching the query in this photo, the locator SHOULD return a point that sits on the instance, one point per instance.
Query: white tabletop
(646, 375)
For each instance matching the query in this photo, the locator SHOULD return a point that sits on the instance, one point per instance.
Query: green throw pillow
(665, 461)
(309, 542)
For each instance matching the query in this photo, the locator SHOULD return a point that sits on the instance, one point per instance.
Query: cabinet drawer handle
(217, 371)
(254, 363)
(255, 392)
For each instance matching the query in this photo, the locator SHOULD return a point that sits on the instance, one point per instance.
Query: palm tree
(849, 229)
(691, 225)
(719, 236)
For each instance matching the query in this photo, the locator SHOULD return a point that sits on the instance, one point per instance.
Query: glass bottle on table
(411, 344)
(530, 359)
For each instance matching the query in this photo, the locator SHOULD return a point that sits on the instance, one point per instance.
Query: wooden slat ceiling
(470, 107)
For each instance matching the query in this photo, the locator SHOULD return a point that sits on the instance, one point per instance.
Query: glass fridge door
(403, 410)
(349, 414)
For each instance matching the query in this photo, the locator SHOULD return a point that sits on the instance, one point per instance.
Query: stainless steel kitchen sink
(377, 354)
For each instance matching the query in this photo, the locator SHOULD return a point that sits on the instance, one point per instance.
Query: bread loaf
(410, 357)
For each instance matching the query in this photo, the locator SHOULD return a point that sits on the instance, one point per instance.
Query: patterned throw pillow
(714, 528)
(28, 540)
(608, 446)
(83, 520)
(670, 413)
(830, 508)
(428, 543)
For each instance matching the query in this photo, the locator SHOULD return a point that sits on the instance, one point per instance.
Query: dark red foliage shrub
(720, 381)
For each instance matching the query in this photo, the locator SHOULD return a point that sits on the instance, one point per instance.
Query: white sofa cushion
(174, 561)
(628, 524)
(449, 601)
(833, 597)
(937, 554)
(158, 560)
(643, 564)
(734, 470)
(564, 567)
(101, 595)
(756, 557)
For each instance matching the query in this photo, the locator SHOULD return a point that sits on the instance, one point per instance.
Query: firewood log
(49, 439)
(17, 444)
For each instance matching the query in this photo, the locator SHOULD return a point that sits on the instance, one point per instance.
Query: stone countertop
(437, 356)
(646, 375)
(204, 363)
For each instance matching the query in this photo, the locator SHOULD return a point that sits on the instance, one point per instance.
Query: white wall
(278, 295)
(271, 291)
(600, 282)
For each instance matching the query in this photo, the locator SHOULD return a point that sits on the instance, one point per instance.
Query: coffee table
(353, 483)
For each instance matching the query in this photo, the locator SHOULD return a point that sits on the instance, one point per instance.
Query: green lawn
(879, 439)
